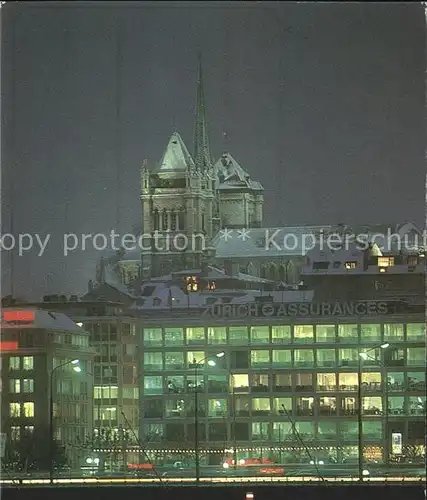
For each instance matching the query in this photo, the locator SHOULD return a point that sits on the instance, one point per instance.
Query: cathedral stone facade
(186, 199)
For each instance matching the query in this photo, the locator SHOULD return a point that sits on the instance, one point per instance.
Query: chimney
(90, 286)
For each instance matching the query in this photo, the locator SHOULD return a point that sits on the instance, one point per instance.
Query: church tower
(177, 199)
(240, 198)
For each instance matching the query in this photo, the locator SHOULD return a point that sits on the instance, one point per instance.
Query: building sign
(297, 309)
(16, 316)
(396, 443)
(6, 345)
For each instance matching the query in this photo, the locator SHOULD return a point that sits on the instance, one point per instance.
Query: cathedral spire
(202, 156)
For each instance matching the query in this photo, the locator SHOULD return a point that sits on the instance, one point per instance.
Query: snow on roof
(266, 242)
(172, 297)
(44, 320)
(232, 176)
(113, 280)
(176, 157)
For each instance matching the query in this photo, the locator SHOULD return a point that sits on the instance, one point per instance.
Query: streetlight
(76, 368)
(211, 362)
(362, 356)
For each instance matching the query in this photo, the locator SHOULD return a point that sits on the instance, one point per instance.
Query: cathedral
(189, 201)
(186, 199)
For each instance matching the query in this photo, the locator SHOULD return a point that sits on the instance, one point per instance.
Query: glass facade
(276, 381)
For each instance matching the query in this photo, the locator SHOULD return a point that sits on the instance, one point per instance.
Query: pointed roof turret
(176, 157)
(231, 175)
(202, 156)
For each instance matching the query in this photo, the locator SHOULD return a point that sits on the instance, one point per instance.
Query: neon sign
(18, 316)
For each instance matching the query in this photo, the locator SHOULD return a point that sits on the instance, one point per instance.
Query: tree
(107, 443)
(415, 453)
(31, 453)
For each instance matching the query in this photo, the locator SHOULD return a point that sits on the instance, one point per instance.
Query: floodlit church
(200, 214)
(186, 199)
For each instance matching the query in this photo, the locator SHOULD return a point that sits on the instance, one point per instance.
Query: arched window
(173, 221)
(164, 220)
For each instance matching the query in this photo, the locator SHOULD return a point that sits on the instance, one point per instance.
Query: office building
(37, 350)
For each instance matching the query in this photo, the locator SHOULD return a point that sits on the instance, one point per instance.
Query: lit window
(325, 357)
(153, 336)
(195, 358)
(217, 407)
(238, 334)
(303, 333)
(191, 283)
(280, 334)
(15, 433)
(153, 360)
(29, 429)
(350, 265)
(348, 332)
(195, 335)
(259, 334)
(14, 409)
(217, 335)
(261, 405)
(416, 331)
(240, 380)
(260, 357)
(14, 363)
(153, 385)
(385, 261)
(371, 333)
(282, 357)
(105, 413)
(28, 363)
(28, 409)
(28, 385)
(105, 392)
(303, 357)
(174, 336)
(15, 386)
(325, 333)
(393, 332)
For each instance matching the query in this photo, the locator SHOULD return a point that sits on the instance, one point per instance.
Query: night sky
(322, 103)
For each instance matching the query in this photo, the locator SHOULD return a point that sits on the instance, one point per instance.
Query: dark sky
(323, 103)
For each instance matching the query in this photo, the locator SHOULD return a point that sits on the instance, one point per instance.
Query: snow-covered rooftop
(265, 242)
(170, 296)
(176, 157)
(44, 320)
(232, 176)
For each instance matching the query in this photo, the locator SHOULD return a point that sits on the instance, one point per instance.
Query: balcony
(304, 388)
(372, 386)
(396, 411)
(174, 413)
(372, 411)
(259, 388)
(417, 386)
(241, 390)
(282, 388)
(327, 388)
(396, 387)
(215, 387)
(348, 388)
(349, 412)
